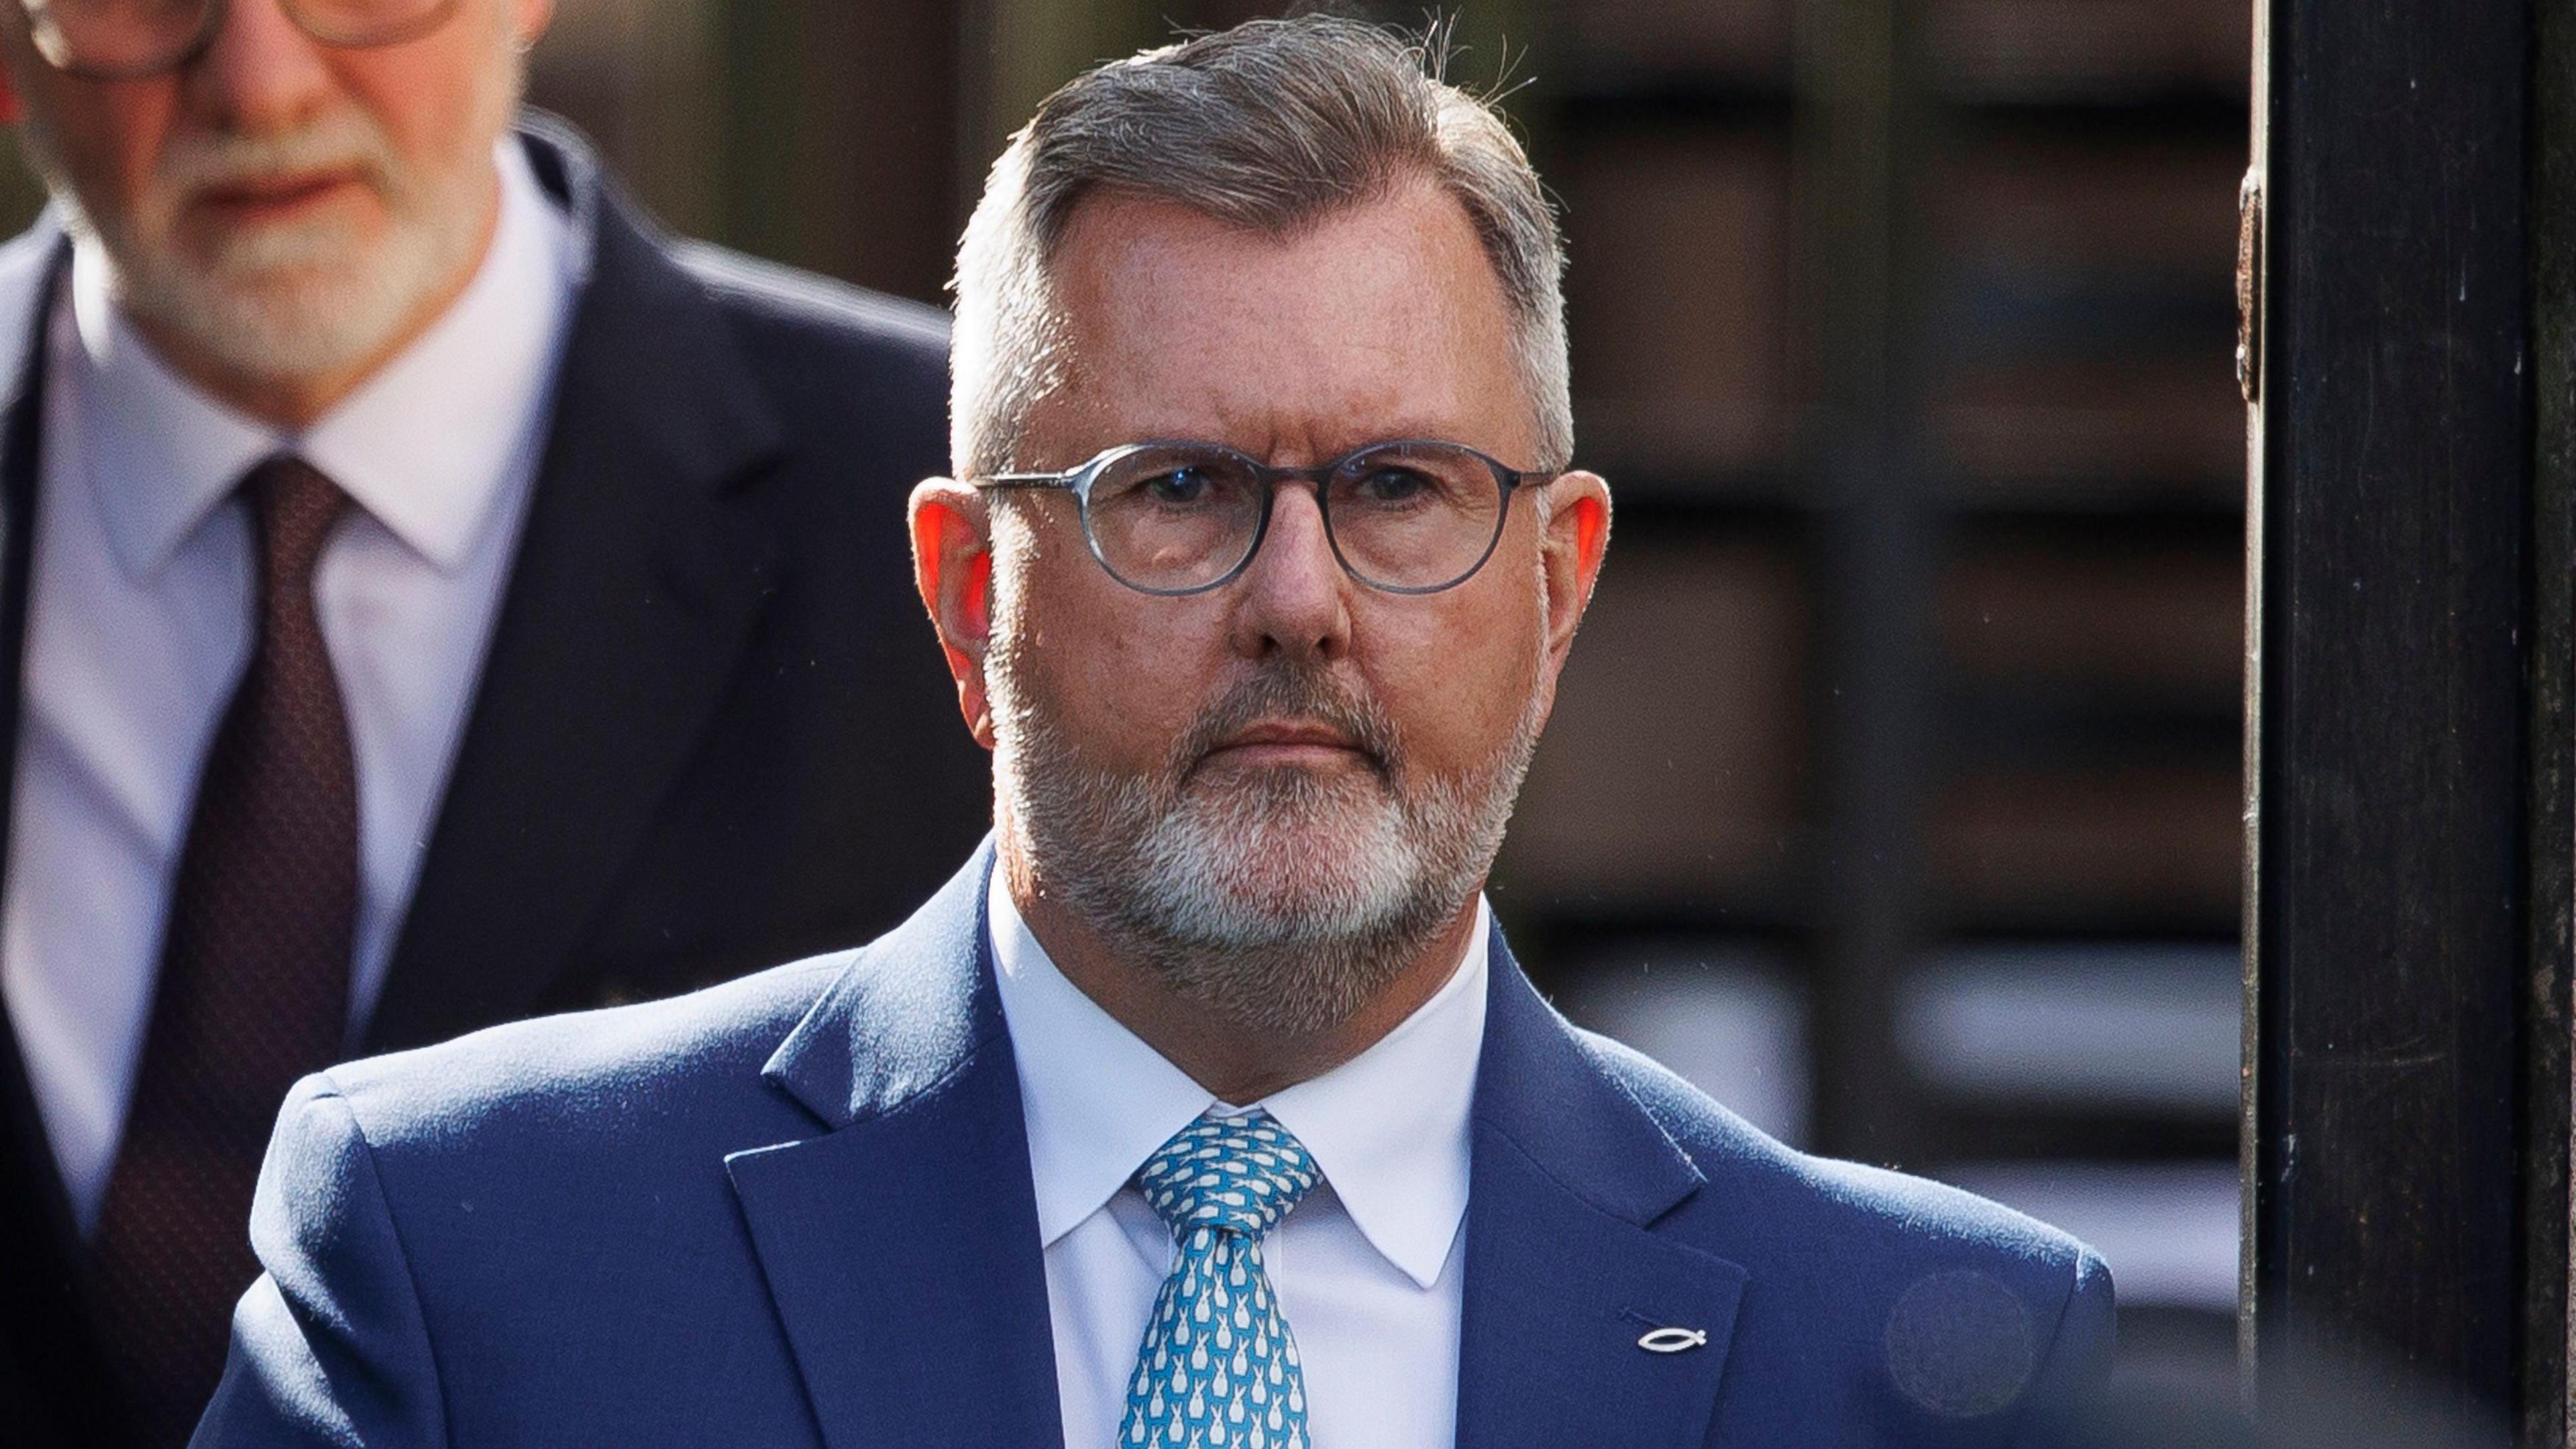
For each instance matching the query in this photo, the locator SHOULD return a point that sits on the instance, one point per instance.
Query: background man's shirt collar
(1389, 1128)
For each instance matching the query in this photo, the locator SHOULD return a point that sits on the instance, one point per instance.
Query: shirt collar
(1389, 1128)
(160, 454)
(424, 446)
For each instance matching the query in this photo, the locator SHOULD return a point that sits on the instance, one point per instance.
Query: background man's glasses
(1408, 517)
(131, 39)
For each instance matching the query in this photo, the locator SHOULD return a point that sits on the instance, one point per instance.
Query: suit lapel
(901, 1246)
(636, 586)
(1564, 1272)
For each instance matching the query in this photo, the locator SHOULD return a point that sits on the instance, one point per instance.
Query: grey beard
(292, 302)
(1284, 906)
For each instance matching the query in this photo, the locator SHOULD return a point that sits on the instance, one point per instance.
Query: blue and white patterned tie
(1218, 1368)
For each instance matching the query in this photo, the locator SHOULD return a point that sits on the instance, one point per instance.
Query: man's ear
(529, 20)
(1578, 534)
(952, 565)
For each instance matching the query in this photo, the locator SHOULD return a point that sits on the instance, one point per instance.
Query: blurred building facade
(1893, 793)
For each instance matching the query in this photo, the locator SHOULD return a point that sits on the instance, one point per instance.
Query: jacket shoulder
(769, 294)
(1881, 1213)
(860, 376)
(1963, 1311)
(620, 1073)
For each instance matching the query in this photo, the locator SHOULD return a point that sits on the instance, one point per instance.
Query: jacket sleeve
(330, 1346)
(2066, 1394)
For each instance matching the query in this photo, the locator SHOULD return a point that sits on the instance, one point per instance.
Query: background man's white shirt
(139, 627)
(1368, 1268)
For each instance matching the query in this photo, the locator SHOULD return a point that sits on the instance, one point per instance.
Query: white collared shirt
(140, 623)
(1368, 1268)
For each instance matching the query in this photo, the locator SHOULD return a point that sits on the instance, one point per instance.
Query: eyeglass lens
(129, 38)
(1410, 516)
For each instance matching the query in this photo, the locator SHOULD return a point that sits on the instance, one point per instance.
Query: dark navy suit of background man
(674, 767)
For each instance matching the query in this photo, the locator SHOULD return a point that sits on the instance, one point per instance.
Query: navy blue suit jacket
(796, 1210)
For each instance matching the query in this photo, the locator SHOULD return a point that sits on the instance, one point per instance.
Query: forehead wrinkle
(1300, 399)
(1275, 433)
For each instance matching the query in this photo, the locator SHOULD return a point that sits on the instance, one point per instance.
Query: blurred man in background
(1205, 1106)
(433, 599)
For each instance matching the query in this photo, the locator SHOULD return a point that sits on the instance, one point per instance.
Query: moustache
(341, 142)
(1290, 691)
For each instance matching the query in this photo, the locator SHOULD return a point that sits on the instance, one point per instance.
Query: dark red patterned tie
(254, 987)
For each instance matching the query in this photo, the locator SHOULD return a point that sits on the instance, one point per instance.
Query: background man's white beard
(303, 301)
(289, 302)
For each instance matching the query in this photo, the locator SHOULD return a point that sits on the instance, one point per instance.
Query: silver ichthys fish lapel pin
(1673, 1340)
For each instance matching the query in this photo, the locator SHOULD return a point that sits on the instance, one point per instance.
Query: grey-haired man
(1205, 1106)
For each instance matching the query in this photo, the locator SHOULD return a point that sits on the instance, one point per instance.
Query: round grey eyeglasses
(1414, 516)
(132, 39)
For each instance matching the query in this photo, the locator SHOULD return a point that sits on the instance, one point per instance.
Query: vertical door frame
(2409, 743)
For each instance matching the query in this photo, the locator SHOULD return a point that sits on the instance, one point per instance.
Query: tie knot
(295, 507)
(1239, 1174)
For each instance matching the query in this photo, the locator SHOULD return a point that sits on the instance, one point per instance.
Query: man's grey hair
(1272, 126)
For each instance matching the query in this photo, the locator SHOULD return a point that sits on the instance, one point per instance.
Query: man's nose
(1295, 595)
(261, 73)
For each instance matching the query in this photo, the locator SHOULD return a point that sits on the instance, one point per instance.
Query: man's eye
(1395, 485)
(1177, 486)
